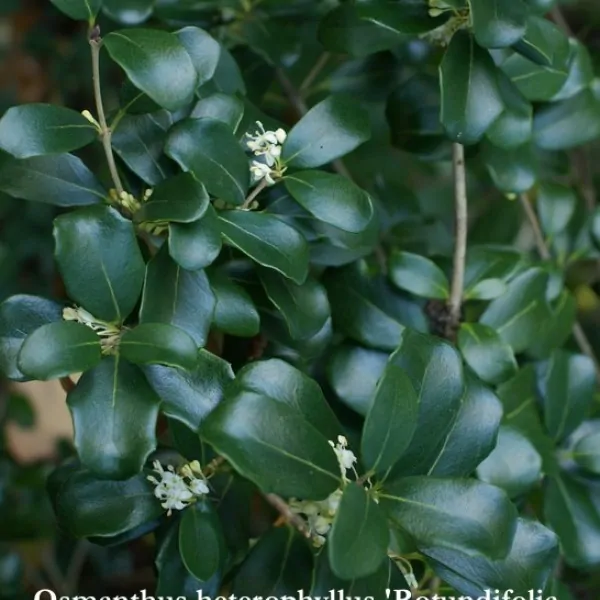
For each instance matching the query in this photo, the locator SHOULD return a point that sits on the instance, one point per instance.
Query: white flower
(260, 170)
(281, 135)
(199, 487)
(346, 458)
(268, 145)
(109, 333)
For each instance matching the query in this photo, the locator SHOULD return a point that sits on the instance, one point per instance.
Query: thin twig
(560, 20)
(78, 560)
(282, 507)
(255, 192)
(544, 252)
(314, 73)
(105, 131)
(460, 244)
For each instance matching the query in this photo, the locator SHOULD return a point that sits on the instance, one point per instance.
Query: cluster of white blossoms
(319, 515)
(267, 144)
(177, 490)
(109, 333)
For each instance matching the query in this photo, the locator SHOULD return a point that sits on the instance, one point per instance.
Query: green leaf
(80, 10)
(490, 262)
(190, 396)
(331, 198)
(544, 43)
(391, 420)
(139, 141)
(586, 452)
(268, 241)
(100, 261)
(527, 567)
(498, 23)
(20, 316)
(472, 435)
(418, 275)
(221, 107)
(514, 465)
(518, 315)
(358, 541)
(273, 445)
(570, 508)
(569, 123)
(353, 373)
(59, 349)
(157, 63)
(305, 308)
(403, 16)
(486, 289)
(37, 129)
(196, 245)
(114, 402)
(513, 170)
(284, 383)
(490, 357)
(178, 297)
(61, 179)
(581, 71)
(19, 410)
(128, 12)
(471, 99)
(330, 129)
(203, 49)
(280, 563)
(435, 370)
(158, 344)
(87, 506)
(464, 515)
(235, 312)
(201, 542)
(556, 205)
(567, 383)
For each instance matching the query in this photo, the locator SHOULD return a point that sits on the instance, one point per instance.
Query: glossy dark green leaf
(472, 435)
(61, 179)
(100, 261)
(59, 349)
(391, 420)
(544, 43)
(37, 129)
(267, 240)
(189, 396)
(235, 312)
(513, 170)
(196, 245)
(20, 316)
(139, 141)
(219, 162)
(486, 289)
(517, 316)
(581, 71)
(201, 543)
(330, 129)
(305, 307)
(514, 465)
(272, 444)
(498, 23)
(461, 514)
(87, 506)
(128, 12)
(203, 49)
(158, 344)
(527, 567)
(157, 63)
(586, 452)
(282, 382)
(353, 373)
(491, 262)
(280, 563)
(178, 297)
(418, 275)
(555, 205)
(471, 98)
(570, 508)
(490, 357)
(222, 107)
(569, 123)
(80, 10)
(331, 198)
(403, 16)
(114, 402)
(358, 540)
(567, 384)
(435, 370)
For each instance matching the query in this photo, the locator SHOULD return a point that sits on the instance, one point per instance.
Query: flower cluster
(266, 144)
(177, 490)
(320, 515)
(109, 333)
(128, 201)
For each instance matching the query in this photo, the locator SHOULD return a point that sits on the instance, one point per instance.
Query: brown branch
(314, 72)
(255, 192)
(282, 507)
(67, 384)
